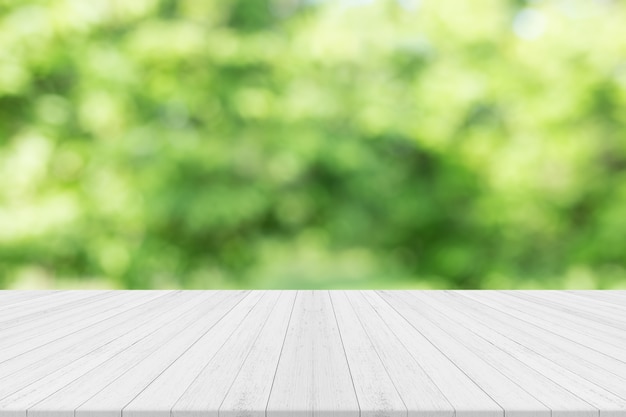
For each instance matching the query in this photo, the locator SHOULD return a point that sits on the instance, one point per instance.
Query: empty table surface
(321, 353)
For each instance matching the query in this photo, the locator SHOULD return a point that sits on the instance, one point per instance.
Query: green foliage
(312, 144)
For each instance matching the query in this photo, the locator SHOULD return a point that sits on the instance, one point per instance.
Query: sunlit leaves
(301, 143)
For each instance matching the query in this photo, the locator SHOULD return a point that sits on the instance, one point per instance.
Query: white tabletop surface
(313, 353)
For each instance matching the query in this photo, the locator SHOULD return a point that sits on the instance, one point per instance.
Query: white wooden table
(288, 353)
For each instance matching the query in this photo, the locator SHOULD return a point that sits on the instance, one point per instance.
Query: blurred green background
(312, 144)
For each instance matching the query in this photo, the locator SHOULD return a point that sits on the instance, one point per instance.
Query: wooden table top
(313, 353)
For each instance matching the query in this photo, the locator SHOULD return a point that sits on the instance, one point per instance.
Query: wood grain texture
(313, 353)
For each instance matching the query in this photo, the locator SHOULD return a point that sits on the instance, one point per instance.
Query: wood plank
(115, 396)
(590, 337)
(51, 327)
(606, 296)
(8, 298)
(249, 394)
(437, 308)
(542, 344)
(546, 314)
(375, 391)
(510, 396)
(42, 359)
(17, 314)
(313, 377)
(420, 394)
(205, 394)
(313, 353)
(168, 338)
(160, 396)
(598, 307)
(463, 393)
(576, 309)
(36, 389)
(607, 402)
